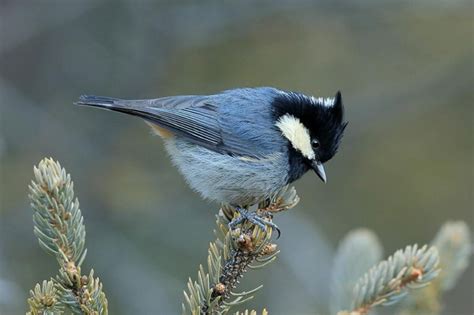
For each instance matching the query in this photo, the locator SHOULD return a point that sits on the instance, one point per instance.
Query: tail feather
(98, 101)
(134, 108)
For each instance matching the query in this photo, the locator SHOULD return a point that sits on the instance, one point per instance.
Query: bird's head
(313, 128)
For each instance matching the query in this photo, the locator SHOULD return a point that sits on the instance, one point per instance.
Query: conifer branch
(230, 257)
(453, 242)
(58, 224)
(357, 252)
(61, 232)
(43, 300)
(389, 281)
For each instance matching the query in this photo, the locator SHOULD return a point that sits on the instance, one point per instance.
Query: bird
(241, 146)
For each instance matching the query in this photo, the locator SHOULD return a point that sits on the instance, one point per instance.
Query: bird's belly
(225, 178)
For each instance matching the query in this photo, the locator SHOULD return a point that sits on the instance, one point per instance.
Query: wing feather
(199, 119)
(193, 117)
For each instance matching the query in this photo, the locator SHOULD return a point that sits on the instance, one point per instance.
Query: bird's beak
(319, 170)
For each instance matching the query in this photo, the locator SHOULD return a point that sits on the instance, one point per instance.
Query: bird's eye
(315, 143)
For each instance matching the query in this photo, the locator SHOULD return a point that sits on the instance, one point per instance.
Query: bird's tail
(132, 107)
(98, 101)
(138, 108)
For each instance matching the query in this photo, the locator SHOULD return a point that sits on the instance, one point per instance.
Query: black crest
(324, 119)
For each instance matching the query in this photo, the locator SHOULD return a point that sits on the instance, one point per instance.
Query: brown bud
(269, 249)
(48, 300)
(245, 243)
(416, 273)
(84, 280)
(66, 216)
(219, 288)
(85, 296)
(71, 267)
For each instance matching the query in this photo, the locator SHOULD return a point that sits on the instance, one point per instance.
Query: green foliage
(389, 281)
(230, 257)
(58, 220)
(58, 224)
(453, 242)
(357, 252)
(43, 300)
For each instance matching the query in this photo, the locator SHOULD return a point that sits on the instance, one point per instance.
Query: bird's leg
(241, 218)
(254, 218)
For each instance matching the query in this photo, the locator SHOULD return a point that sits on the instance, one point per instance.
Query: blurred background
(405, 165)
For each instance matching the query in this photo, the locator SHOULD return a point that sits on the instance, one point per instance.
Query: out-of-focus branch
(357, 252)
(392, 279)
(453, 242)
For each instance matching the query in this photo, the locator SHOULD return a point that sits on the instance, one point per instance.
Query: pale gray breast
(231, 179)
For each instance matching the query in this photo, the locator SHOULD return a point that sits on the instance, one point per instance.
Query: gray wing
(193, 117)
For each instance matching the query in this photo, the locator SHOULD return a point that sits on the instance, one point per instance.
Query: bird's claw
(254, 218)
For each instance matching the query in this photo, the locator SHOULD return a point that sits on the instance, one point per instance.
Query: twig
(232, 255)
(390, 280)
(61, 232)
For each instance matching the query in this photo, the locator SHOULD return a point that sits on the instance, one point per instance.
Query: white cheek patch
(297, 134)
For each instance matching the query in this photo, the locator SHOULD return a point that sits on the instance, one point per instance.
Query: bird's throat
(297, 165)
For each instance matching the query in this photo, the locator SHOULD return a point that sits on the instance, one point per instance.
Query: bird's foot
(255, 218)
